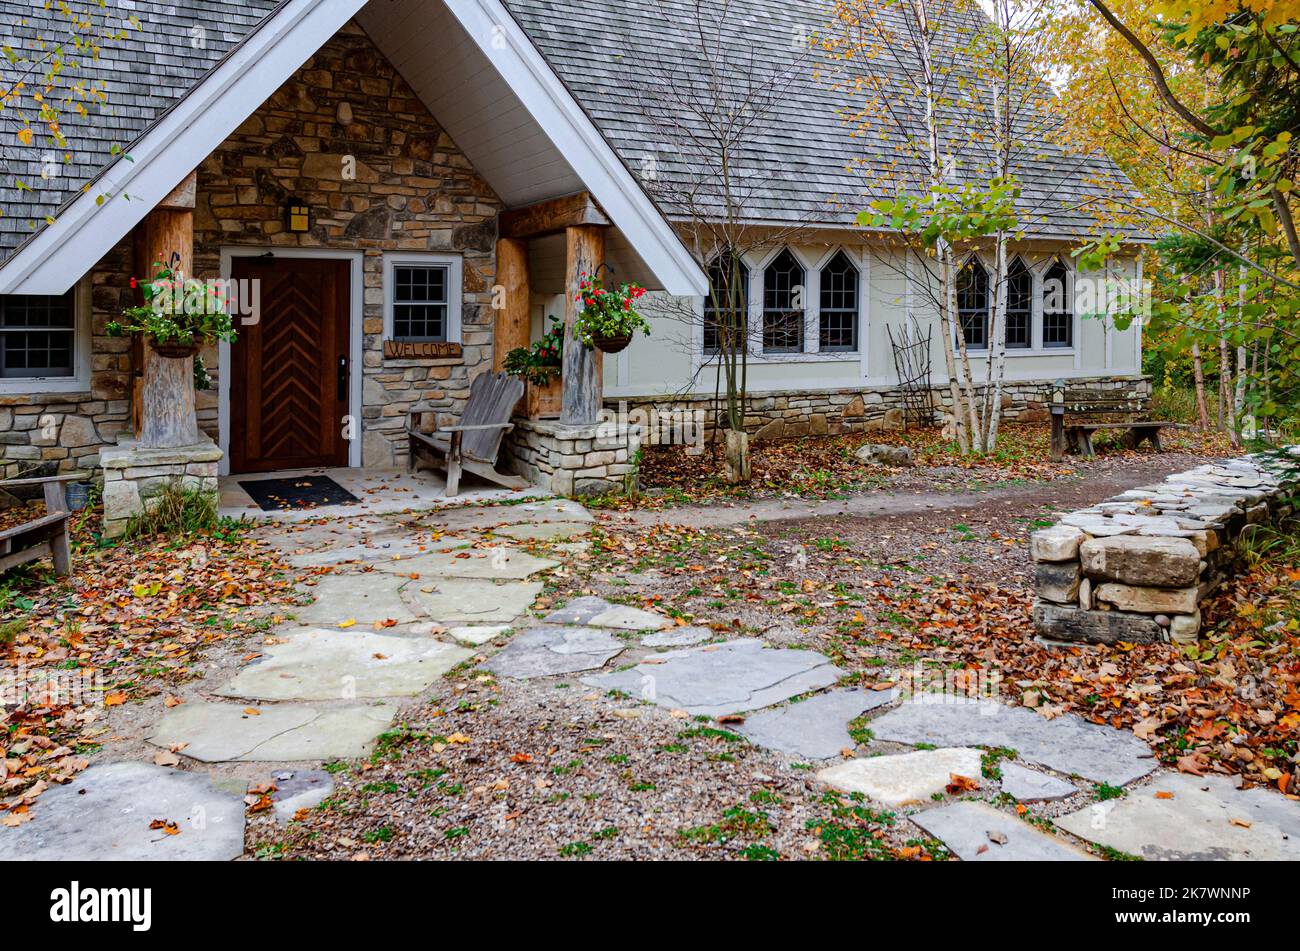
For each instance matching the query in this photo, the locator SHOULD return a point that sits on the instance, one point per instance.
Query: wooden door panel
(286, 402)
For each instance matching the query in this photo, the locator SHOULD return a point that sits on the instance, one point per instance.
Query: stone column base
(133, 476)
(585, 460)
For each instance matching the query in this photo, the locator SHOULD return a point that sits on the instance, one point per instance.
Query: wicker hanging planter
(615, 344)
(174, 351)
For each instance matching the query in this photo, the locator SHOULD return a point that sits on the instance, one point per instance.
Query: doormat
(304, 492)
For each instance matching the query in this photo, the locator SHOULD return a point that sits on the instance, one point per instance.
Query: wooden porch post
(513, 325)
(167, 418)
(582, 366)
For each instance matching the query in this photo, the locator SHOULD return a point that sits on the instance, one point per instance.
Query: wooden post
(167, 416)
(513, 326)
(582, 365)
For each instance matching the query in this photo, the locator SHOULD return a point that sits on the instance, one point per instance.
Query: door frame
(356, 296)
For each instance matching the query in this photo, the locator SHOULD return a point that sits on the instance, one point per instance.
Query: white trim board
(87, 230)
(82, 357)
(356, 317)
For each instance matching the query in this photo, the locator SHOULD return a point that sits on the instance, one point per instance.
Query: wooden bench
(1079, 414)
(474, 444)
(44, 537)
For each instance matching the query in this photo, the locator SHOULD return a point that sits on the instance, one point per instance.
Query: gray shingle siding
(145, 74)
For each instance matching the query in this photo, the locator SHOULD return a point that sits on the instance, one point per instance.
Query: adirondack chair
(44, 537)
(473, 445)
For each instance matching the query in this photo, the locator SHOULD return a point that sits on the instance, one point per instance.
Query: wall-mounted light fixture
(297, 216)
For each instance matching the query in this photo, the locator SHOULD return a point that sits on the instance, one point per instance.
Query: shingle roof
(145, 74)
(810, 163)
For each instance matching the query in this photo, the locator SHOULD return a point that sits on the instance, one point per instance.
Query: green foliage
(949, 213)
(176, 511)
(606, 312)
(176, 312)
(541, 362)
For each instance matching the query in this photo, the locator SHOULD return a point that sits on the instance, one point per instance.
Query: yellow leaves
(25, 136)
(115, 699)
(350, 622)
(166, 826)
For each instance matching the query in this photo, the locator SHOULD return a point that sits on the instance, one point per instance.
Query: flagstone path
(398, 604)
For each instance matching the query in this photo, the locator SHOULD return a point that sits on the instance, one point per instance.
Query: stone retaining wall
(573, 460)
(134, 476)
(788, 415)
(1138, 567)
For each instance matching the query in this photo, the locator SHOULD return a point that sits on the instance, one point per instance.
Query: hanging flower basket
(615, 343)
(609, 317)
(174, 351)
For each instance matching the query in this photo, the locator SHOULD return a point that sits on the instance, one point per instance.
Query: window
(838, 321)
(1058, 315)
(1020, 305)
(37, 336)
(973, 304)
(420, 299)
(726, 307)
(783, 285)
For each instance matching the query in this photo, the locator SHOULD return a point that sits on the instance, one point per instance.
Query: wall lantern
(297, 216)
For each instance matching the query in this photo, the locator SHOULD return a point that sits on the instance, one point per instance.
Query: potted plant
(540, 366)
(177, 318)
(609, 317)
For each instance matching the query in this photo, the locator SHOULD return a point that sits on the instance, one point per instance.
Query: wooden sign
(404, 350)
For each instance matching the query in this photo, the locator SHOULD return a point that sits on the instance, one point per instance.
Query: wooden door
(289, 374)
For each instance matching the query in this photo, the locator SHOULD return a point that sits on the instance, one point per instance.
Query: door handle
(343, 379)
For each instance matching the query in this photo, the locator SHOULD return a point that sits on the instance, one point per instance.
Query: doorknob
(343, 379)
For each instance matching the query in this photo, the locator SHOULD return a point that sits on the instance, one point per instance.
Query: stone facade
(574, 460)
(133, 477)
(787, 415)
(1138, 567)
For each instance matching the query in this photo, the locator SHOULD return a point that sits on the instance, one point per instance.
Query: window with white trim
(38, 336)
(1020, 306)
(422, 297)
(973, 304)
(838, 316)
(1058, 315)
(727, 306)
(783, 309)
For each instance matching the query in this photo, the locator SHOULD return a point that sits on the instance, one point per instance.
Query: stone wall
(1138, 567)
(573, 460)
(413, 190)
(133, 478)
(785, 415)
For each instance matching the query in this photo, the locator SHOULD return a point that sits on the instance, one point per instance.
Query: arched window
(727, 306)
(1020, 306)
(1058, 311)
(838, 320)
(973, 304)
(783, 306)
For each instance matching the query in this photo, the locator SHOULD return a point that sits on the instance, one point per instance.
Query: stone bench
(1138, 567)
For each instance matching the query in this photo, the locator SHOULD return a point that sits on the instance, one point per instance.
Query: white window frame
(455, 265)
(79, 381)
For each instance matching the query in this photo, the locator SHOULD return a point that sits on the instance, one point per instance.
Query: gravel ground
(552, 768)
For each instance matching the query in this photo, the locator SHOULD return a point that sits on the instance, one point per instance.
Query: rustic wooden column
(583, 385)
(167, 417)
(513, 325)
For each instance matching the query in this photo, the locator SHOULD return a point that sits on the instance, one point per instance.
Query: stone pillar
(582, 365)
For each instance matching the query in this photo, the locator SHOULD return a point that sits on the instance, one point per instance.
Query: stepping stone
(301, 789)
(544, 531)
(816, 728)
(473, 601)
(1027, 785)
(547, 651)
(484, 518)
(1197, 824)
(225, 733)
(722, 679)
(975, 832)
(1068, 744)
(904, 778)
(343, 665)
(477, 636)
(367, 599)
(105, 811)
(381, 548)
(678, 637)
(493, 564)
(597, 612)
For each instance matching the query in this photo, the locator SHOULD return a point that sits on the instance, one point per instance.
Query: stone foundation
(574, 460)
(789, 415)
(1138, 567)
(133, 476)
